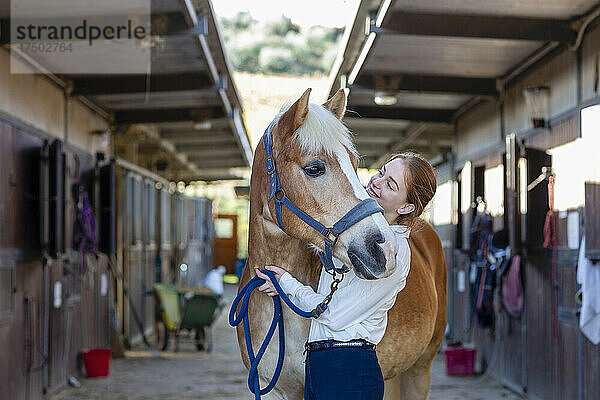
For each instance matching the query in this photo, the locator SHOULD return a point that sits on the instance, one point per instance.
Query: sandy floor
(189, 374)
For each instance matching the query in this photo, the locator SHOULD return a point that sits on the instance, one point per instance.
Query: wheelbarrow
(190, 309)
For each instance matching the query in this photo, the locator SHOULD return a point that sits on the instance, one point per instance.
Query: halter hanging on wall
(546, 173)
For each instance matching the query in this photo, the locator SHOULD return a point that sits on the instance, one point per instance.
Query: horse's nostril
(375, 251)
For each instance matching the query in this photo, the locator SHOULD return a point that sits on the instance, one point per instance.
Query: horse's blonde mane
(322, 131)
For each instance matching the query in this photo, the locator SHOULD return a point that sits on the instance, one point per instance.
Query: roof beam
(408, 114)
(150, 143)
(184, 142)
(212, 124)
(195, 20)
(426, 83)
(94, 85)
(477, 26)
(174, 24)
(375, 148)
(194, 134)
(231, 162)
(167, 115)
(237, 123)
(361, 139)
(419, 148)
(411, 134)
(208, 152)
(216, 171)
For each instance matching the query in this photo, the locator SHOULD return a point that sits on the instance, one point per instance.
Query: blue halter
(359, 212)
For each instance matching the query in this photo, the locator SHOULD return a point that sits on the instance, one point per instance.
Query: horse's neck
(269, 246)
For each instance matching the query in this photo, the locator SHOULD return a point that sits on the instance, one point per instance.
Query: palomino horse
(307, 138)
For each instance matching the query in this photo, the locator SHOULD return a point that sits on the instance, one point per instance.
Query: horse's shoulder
(426, 248)
(423, 231)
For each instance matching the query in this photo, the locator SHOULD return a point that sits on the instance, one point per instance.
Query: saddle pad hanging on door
(512, 289)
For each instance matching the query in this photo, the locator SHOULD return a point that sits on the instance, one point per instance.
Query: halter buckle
(280, 194)
(330, 237)
(270, 165)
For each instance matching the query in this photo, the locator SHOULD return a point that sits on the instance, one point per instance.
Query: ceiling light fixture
(202, 126)
(382, 98)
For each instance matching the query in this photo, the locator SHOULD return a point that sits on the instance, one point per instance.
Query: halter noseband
(362, 210)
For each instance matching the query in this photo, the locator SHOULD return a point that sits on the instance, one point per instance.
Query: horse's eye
(314, 169)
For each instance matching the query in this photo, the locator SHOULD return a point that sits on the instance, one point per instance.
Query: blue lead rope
(244, 297)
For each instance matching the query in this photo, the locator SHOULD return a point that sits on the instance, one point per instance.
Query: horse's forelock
(322, 132)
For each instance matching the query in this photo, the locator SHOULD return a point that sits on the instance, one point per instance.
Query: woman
(341, 362)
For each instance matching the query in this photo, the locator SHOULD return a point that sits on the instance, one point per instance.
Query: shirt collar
(401, 230)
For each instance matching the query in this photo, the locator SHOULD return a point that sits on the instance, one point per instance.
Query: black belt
(332, 344)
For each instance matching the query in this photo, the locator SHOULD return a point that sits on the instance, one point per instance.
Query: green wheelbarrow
(190, 309)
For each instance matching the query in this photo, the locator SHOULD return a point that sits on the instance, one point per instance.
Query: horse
(305, 132)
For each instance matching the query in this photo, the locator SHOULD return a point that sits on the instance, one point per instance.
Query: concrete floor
(189, 374)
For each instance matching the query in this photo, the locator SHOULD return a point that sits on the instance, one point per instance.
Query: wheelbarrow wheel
(200, 339)
(162, 335)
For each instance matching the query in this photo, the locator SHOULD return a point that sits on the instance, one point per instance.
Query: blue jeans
(343, 373)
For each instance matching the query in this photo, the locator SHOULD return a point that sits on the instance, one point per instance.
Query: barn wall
(560, 74)
(525, 353)
(32, 110)
(479, 131)
(590, 64)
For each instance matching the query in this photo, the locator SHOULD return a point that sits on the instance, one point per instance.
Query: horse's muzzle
(368, 258)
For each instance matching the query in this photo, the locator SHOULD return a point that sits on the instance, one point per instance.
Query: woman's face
(388, 188)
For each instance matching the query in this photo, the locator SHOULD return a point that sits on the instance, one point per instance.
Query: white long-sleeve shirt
(358, 309)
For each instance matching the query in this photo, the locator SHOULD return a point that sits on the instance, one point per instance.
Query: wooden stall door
(226, 243)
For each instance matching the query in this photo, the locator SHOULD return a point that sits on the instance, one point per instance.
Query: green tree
(242, 21)
(279, 47)
(282, 26)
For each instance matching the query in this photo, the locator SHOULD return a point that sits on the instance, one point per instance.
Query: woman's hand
(268, 286)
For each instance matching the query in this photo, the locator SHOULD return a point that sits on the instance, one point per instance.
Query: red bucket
(459, 360)
(97, 362)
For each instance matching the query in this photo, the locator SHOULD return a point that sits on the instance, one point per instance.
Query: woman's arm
(350, 304)
(302, 296)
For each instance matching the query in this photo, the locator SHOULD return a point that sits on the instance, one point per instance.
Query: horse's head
(316, 162)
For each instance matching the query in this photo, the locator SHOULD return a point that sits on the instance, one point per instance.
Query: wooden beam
(419, 148)
(476, 26)
(194, 20)
(207, 174)
(231, 162)
(178, 126)
(374, 140)
(174, 24)
(139, 141)
(166, 115)
(411, 134)
(94, 85)
(183, 143)
(408, 114)
(194, 134)
(209, 152)
(426, 83)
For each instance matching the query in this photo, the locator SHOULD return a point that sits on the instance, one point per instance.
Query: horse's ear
(294, 117)
(337, 104)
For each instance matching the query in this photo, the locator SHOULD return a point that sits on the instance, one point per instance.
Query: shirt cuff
(289, 284)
